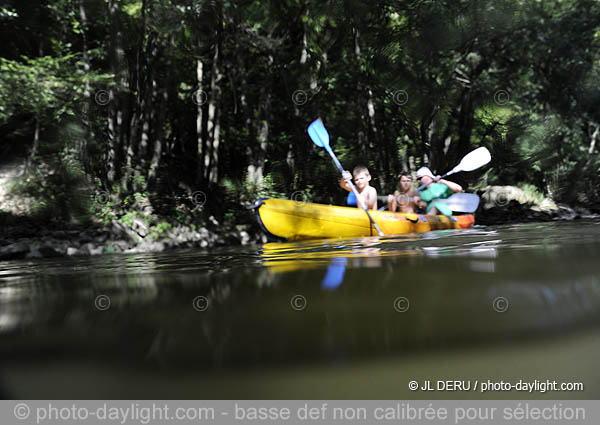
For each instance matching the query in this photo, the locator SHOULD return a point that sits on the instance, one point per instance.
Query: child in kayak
(405, 197)
(437, 189)
(367, 193)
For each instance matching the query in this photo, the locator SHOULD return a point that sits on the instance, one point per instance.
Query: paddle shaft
(402, 198)
(423, 186)
(471, 161)
(358, 198)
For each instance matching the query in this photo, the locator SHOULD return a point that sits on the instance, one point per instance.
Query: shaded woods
(186, 109)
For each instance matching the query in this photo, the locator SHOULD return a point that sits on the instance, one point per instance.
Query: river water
(333, 319)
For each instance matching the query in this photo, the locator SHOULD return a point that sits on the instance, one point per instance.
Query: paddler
(405, 197)
(367, 193)
(437, 188)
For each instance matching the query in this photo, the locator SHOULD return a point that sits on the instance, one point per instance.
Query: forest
(179, 110)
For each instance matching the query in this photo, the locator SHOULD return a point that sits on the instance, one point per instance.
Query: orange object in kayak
(293, 220)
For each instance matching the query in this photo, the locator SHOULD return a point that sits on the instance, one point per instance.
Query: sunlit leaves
(47, 87)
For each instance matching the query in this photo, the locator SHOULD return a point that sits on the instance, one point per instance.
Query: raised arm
(344, 181)
(454, 187)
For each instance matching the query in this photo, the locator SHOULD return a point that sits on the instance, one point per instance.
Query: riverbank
(101, 223)
(23, 242)
(23, 238)
(511, 204)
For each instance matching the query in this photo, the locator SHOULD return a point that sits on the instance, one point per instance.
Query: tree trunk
(115, 114)
(257, 161)
(426, 133)
(148, 93)
(200, 139)
(296, 153)
(34, 148)
(158, 136)
(465, 129)
(83, 143)
(211, 158)
(594, 139)
(163, 100)
(362, 135)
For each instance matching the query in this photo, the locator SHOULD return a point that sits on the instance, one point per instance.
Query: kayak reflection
(338, 255)
(286, 257)
(281, 257)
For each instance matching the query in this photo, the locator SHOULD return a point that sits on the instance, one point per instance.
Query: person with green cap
(436, 188)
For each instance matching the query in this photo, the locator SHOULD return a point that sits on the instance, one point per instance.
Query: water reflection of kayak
(293, 220)
(281, 257)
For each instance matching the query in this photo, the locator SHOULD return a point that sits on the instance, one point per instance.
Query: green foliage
(247, 192)
(8, 13)
(158, 231)
(268, 188)
(128, 217)
(398, 85)
(103, 210)
(47, 87)
(109, 207)
(55, 179)
(56, 193)
(531, 194)
(133, 9)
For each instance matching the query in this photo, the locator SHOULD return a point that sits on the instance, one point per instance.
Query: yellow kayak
(293, 220)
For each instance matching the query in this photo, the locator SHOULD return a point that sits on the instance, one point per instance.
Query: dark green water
(518, 302)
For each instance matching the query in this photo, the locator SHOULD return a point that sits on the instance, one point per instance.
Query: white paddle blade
(461, 202)
(478, 158)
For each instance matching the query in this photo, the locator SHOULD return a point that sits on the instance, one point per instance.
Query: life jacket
(437, 191)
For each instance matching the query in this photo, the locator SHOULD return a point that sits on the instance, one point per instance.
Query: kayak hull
(293, 220)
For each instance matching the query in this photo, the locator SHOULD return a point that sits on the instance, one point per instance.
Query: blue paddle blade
(318, 133)
(335, 273)
(351, 199)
